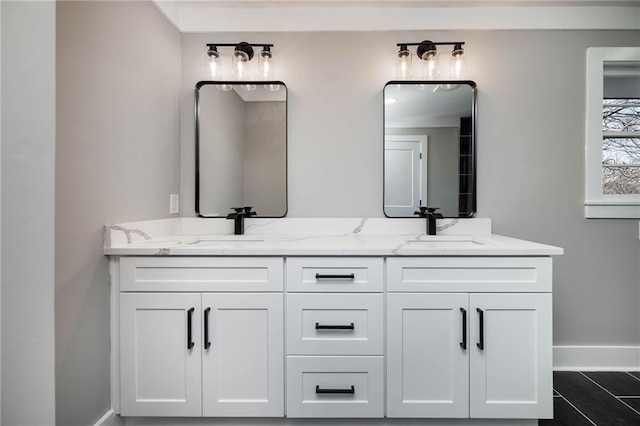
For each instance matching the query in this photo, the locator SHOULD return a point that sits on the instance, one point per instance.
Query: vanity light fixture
(243, 53)
(427, 52)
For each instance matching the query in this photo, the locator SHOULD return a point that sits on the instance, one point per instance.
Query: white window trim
(596, 204)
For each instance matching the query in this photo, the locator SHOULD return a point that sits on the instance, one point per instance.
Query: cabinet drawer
(327, 324)
(229, 274)
(464, 274)
(335, 274)
(335, 387)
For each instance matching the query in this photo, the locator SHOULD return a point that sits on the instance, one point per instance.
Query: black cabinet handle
(190, 343)
(352, 389)
(335, 276)
(480, 344)
(207, 343)
(463, 344)
(335, 327)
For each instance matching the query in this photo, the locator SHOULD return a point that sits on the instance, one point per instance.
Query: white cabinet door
(427, 361)
(243, 355)
(160, 354)
(510, 357)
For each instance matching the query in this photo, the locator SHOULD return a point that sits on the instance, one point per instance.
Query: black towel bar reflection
(350, 276)
(351, 390)
(319, 326)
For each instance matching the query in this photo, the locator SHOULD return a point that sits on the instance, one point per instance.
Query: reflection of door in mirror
(405, 159)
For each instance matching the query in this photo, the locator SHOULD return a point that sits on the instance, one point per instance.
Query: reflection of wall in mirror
(242, 154)
(221, 126)
(264, 165)
(443, 165)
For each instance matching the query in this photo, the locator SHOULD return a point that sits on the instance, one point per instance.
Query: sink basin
(445, 241)
(226, 240)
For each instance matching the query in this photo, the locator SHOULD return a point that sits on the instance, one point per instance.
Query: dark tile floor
(595, 398)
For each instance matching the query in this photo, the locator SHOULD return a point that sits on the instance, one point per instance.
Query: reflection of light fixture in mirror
(403, 69)
(390, 100)
(428, 54)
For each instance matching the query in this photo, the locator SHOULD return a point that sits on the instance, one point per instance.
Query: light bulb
(430, 65)
(403, 68)
(240, 65)
(265, 65)
(213, 68)
(458, 63)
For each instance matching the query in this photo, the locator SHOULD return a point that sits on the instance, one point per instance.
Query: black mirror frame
(474, 137)
(203, 83)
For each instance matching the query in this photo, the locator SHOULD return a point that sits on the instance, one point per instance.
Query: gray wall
(531, 108)
(118, 81)
(28, 146)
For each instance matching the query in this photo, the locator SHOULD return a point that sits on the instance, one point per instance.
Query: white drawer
(464, 274)
(201, 274)
(335, 387)
(330, 324)
(335, 274)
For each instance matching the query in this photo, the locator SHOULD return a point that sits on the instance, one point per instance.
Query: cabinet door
(160, 354)
(427, 365)
(243, 367)
(510, 358)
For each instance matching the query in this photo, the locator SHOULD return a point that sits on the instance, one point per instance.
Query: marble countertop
(315, 237)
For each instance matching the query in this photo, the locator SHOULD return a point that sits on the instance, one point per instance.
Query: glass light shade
(458, 65)
(240, 66)
(430, 60)
(213, 68)
(403, 65)
(265, 66)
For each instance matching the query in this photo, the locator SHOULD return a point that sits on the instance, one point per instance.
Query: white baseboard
(109, 419)
(596, 358)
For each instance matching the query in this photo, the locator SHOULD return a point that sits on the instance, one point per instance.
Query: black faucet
(238, 218)
(431, 215)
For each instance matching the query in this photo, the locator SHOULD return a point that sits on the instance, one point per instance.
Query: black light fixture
(427, 52)
(243, 53)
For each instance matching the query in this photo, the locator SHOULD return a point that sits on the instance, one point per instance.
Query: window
(613, 133)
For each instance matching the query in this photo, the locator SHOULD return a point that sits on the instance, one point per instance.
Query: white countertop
(315, 237)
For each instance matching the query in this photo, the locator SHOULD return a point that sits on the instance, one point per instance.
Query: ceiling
(377, 15)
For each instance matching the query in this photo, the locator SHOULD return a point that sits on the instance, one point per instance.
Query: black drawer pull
(480, 344)
(335, 327)
(351, 390)
(207, 342)
(335, 276)
(190, 343)
(463, 344)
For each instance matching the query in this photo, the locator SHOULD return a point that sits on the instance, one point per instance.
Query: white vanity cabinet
(197, 353)
(458, 346)
(431, 337)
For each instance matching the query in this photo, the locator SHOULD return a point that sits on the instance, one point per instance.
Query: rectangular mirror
(241, 148)
(429, 147)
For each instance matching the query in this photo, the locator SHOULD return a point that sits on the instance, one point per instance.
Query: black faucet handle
(237, 209)
(248, 212)
(432, 211)
(422, 212)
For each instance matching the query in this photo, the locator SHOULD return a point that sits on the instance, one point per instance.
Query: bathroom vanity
(340, 318)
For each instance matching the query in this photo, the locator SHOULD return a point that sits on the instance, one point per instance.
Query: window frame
(597, 204)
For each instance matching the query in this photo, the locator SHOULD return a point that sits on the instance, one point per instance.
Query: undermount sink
(225, 240)
(446, 240)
